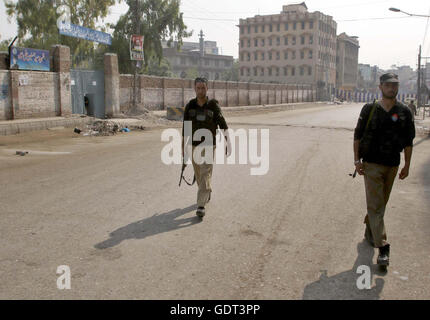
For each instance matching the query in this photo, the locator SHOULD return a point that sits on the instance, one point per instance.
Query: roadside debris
(21, 153)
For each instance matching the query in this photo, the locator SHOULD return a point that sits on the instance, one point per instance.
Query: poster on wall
(136, 48)
(29, 59)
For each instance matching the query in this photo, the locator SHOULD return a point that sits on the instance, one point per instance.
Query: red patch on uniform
(395, 117)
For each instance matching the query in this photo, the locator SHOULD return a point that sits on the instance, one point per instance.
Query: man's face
(389, 89)
(201, 90)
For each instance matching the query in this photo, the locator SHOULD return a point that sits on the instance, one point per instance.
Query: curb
(37, 125)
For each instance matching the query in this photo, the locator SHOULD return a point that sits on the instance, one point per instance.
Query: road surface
(110, 210)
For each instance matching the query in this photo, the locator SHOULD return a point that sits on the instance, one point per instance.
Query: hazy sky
(386, 37)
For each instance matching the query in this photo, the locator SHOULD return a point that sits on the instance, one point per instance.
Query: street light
(409, 14)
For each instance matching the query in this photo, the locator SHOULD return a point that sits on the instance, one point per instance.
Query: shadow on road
(343, 286)
(159, 223)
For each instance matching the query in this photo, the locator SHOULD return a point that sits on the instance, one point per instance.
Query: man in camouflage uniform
(384, 130)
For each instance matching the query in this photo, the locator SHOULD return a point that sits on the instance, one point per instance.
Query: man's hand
(360, 168)
(404, 173)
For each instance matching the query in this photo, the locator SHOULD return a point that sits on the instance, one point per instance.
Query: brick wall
(38, 94)
(156, 93)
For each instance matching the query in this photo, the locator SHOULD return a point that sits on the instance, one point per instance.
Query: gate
(88, 92)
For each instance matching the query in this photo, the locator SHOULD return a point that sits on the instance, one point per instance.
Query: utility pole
(136, 18)
(419, 81)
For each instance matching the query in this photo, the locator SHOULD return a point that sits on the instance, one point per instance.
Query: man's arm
(358, 134)
(408, 157)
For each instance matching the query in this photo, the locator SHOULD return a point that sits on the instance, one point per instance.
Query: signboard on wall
(136, 48)
(29, 59)
(72, 30)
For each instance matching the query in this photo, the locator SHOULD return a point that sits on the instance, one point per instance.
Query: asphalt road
(108, 208)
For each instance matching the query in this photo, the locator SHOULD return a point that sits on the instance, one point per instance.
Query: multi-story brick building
(201, 57)
(347, 62)
(295, 46)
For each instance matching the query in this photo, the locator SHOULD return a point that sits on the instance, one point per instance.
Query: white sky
(384, 42)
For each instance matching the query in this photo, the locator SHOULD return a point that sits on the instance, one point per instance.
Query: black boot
(384, 256)
(201, 212)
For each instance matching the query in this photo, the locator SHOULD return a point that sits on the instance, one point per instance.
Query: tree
(233, 73)
(37, 22)
(156, 20)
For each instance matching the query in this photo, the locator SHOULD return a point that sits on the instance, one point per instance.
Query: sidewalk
(12, 127)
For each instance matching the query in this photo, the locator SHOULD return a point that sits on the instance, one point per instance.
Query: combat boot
(384, 256)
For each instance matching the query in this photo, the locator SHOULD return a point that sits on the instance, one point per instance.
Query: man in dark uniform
(384, 130)
(203, 114)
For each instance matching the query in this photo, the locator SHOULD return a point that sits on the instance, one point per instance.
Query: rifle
(183, 178)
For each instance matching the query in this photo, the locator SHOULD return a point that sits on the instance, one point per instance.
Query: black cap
(389, 77)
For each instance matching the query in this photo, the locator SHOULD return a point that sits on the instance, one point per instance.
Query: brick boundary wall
(158, 93)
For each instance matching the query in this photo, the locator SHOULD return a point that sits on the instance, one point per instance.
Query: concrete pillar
(112, 105)
(60, 63)
(14, 97)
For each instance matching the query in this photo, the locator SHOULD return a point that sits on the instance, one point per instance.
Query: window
(277, 72)
(255, 56)
(270, 55)
(286, 26)
(249, 29)
(293, 71)
(311, 24)
(256, 43)
(262, 56)
(302, 55)
(278, 27)
(302, 71)
(294, 25)
(270, 28)
(249, 43)
(310, 71)
(262, 72)
(241, 57)
(294, 40)
(278, 55)
(255, 72)
(262, 42)
(241, 30)
(256, 29)
(270, 71)
(302, 39)
(286, 41)
(286, 55)
(303, 25)
(262, 28)
(311, 54)
(278, 41)
(270, 42)
(285, 71)
(294, 54)
(241, 43)
(248, 73)
(241, 72)
(217, 62)
(311, 39)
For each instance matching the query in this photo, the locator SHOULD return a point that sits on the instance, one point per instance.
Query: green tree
(192, 73)
(37, 22)
(233, 73)
(156, 20)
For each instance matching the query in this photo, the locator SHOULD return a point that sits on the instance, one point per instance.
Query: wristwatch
(357, 162)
